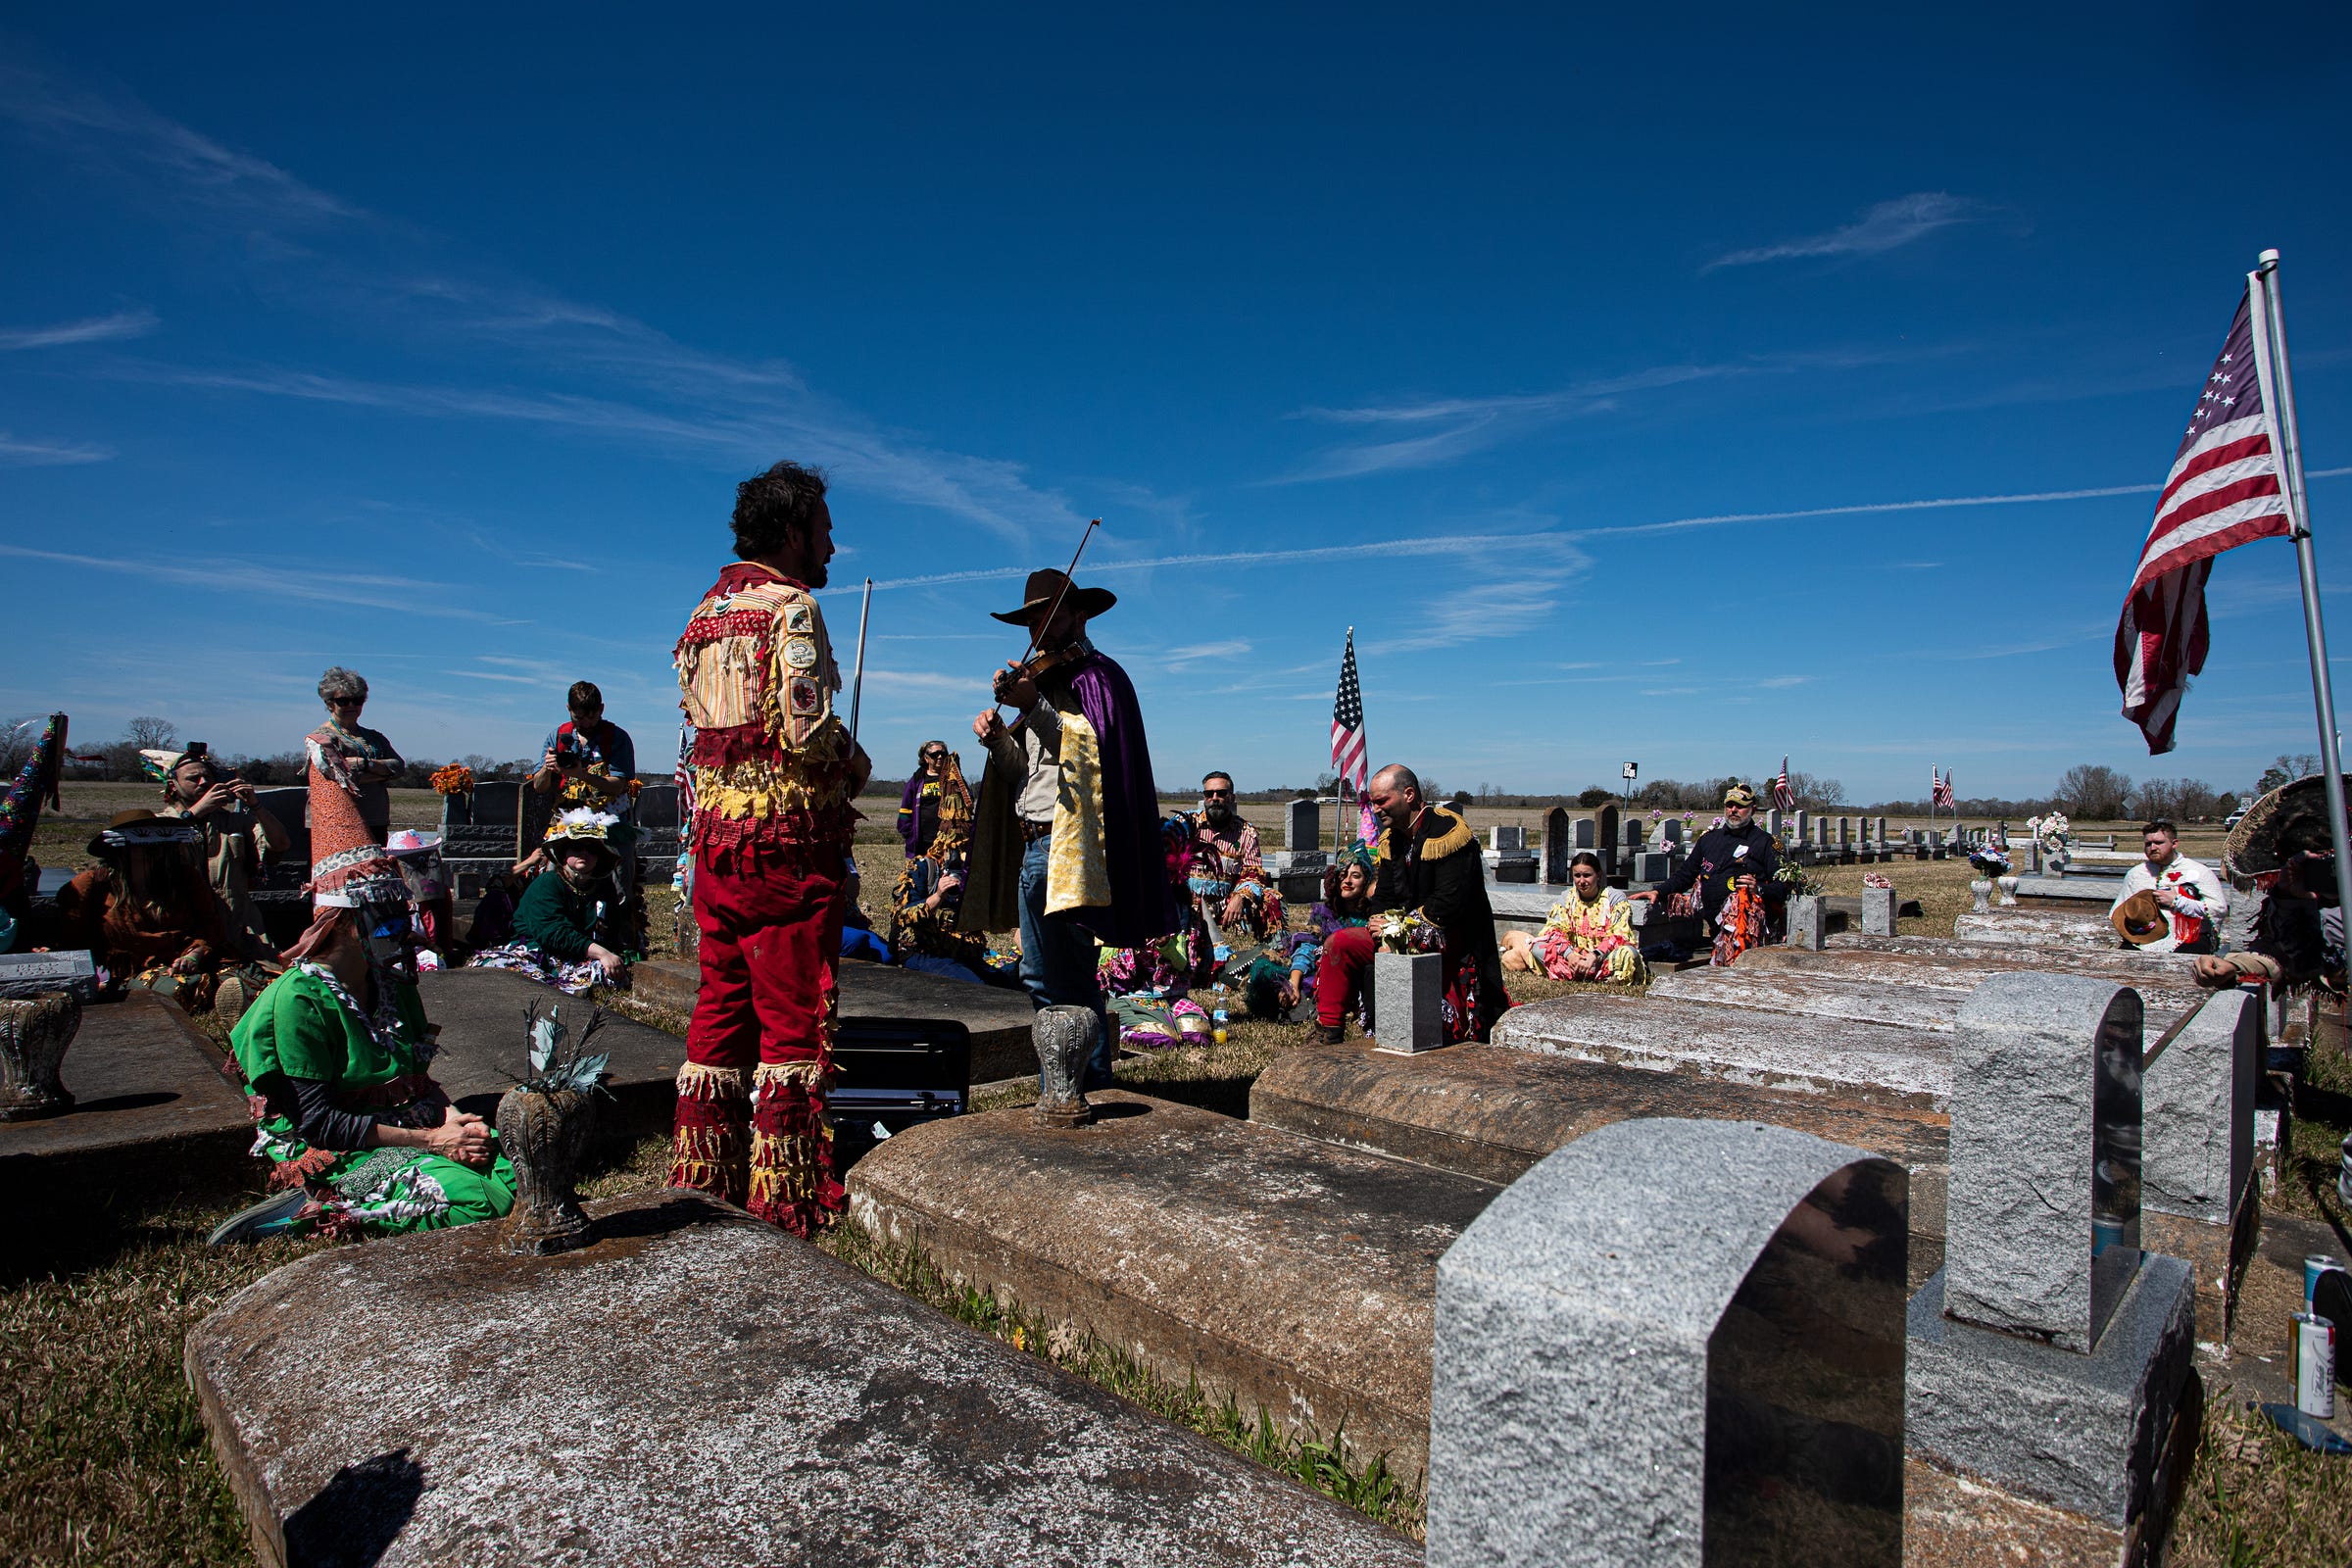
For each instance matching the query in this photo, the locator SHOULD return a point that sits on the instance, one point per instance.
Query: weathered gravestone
(2200, 1201)
(2038, 928)
(1772, 823)
(1303, 826)
(1507, 838)
(696, 1386)
(1605, 823)
(1675, 1342)
(1802, 826)
(291, 806)
(1807, 921)
(1408, 1002)
(1878, 911)
(1670, 832)
(2050, 1357)
(1558, 848)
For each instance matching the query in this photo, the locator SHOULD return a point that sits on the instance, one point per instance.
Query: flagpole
(2315, 632)
(1339, 790)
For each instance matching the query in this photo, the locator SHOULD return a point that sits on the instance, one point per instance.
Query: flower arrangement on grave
(1791, 877)
(1990, 859)
(1404, 931)
(2053, 832)
(543, 1127)
(455, 779)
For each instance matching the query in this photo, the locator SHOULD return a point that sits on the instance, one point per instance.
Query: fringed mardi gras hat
(348, 867)
(585, 825)
(2291, 819)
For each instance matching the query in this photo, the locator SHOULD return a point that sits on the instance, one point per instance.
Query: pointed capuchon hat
(348, 867)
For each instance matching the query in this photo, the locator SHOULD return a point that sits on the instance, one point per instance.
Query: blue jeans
(1057, 961)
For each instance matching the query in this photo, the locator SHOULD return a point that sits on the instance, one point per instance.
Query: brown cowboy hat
(1047, 586)
(2139, 920)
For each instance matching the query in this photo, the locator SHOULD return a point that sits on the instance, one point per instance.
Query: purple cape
(1143, 908)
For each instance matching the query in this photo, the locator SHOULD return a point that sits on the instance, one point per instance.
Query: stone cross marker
(1408, 1002)
(1660, 1327)
(1557, 846)
(2043, 1223)
(1303, 826)
(1878, 911)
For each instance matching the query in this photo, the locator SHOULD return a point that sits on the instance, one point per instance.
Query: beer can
(2313, 1266)
(2311, 1349)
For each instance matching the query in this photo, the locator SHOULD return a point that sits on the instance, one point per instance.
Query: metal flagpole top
(2265, 261)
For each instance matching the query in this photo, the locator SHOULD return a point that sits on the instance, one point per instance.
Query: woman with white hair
(345, 751)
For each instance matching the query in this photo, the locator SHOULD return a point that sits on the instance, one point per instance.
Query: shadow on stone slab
(356, 1516)
(481, 1012)
(699, 1387)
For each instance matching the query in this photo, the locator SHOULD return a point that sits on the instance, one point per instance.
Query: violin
(1036, 665)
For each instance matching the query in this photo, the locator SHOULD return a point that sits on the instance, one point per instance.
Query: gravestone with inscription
(1558, 849)
(1675, 1342)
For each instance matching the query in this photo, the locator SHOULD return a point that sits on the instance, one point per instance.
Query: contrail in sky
(1395, 547)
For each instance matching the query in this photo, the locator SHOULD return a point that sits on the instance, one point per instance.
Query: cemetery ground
(104, 1458)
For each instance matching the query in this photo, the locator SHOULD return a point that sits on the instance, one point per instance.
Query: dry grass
(2256, 1498)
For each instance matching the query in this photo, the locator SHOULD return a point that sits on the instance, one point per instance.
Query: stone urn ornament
(1064, 1037)
(34, 1032)
(1982, 888)
(544, 1123)
(2008, 887)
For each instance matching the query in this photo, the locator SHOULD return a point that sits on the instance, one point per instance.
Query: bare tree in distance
(150, 733)
(2095, 791)
(20, 738)
(2287, 767)
(1813, 790)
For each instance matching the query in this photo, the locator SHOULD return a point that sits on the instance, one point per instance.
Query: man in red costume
(774, 773)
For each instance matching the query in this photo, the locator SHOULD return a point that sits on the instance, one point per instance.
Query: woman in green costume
(334, 1055)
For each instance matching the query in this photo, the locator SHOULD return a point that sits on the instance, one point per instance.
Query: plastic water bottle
(1217, 1024)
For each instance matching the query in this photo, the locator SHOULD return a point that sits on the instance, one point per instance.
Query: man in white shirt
(2193, 897)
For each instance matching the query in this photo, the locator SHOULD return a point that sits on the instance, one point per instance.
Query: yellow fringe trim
(762, 787)
(705, 1082)
(1452, 840)
(784, 1168)
(711, 1159)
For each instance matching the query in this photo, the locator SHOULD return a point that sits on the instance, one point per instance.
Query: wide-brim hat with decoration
(1045, 587)
(2289, 821)
(2139, 920)
(418, 853)
(348, 867)
(139, 828)
(585, 825)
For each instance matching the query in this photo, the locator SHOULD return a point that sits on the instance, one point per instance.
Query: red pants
(1345, 969)
(750, 1123)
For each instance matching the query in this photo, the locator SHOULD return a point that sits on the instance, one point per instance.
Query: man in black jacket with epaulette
(1737, 854)
(1429, 865)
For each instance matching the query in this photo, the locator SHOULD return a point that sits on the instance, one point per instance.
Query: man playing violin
(1068, 798)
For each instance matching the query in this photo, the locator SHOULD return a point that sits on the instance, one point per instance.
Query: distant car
(2231, 820)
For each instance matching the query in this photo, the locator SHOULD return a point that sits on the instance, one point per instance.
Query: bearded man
(1428, 866)
(2191, 896)
(1227, 876)
(774, 773)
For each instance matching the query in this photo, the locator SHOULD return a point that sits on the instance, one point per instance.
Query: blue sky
(432, 343)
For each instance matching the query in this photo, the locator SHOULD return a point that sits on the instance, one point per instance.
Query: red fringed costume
(771, 835)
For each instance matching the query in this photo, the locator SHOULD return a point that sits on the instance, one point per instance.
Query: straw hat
(2139, 920)
(2291, 818)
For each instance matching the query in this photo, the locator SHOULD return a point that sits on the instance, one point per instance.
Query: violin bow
(1038, 628)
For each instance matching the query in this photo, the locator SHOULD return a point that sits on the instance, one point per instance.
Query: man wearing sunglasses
(1227, 875)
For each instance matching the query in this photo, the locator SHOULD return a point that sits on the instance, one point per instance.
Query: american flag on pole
(1782, 798)
(1347, 722)
(1940, 788)
(2223, 491)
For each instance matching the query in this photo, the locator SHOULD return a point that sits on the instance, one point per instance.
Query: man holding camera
(590, 761)
(238, 837)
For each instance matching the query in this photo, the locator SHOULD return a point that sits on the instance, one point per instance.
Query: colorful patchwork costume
(1591, 941)
(771, 831)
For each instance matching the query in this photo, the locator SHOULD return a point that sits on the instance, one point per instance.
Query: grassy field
(103, 1459)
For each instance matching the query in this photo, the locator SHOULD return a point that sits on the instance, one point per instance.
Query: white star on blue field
(1692, 389)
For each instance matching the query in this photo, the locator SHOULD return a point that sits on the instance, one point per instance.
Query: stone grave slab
(1919, 992)
(480, 1012)
(1284, 1271)
(1876, 1064)
(697, 1386)
(1962, 966)
(2199, 1200)
(1302, 825)
(1675, 1342)
(150, 1110)
(1494, 1112)
(2071, 959)
(2042, 928)
(2068, 891)
(997, 1018)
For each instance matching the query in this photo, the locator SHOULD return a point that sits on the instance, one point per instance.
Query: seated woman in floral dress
(1589, 935)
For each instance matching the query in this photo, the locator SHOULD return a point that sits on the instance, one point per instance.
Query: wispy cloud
(1780, 682)
(1187, 658)
(1912, 566)
(1352, 551)
(356, 587)
(18, 453)
(1886, 227)
(1509, 606)
(592, 370)
(96, 329)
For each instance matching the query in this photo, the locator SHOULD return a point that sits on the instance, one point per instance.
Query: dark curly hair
(772, 504)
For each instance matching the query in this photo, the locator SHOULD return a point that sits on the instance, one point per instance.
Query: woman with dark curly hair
(1284, 975)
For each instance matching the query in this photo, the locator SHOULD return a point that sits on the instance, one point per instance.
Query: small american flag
(1782, 796)
(2223, 491)
(1347, 722)
(1940, 788)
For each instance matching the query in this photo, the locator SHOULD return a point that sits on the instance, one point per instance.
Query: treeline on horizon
(2089, 791)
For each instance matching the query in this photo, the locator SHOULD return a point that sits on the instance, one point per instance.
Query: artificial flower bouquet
(455, 779)
(1404, 931)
